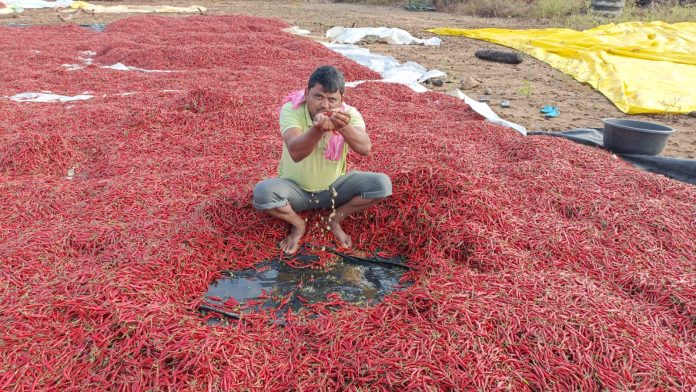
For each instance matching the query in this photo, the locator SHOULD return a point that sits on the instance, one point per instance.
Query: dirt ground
(528, 86)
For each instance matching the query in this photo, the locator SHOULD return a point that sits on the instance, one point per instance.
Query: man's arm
(299, 144)
(356, 137)
(358, 140)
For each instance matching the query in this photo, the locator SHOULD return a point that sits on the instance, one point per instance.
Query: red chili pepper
(538, 263)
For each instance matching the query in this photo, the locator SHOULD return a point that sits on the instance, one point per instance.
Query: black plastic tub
(635, 137)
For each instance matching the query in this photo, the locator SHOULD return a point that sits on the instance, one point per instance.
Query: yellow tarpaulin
(640, 67)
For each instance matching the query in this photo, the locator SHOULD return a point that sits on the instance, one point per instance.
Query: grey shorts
(278, 192)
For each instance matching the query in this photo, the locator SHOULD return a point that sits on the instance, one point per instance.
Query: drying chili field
(539, 264)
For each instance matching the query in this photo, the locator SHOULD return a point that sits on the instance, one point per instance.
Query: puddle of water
(273, 282)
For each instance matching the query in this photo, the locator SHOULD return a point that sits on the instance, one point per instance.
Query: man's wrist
(343, 128)
(316, 131)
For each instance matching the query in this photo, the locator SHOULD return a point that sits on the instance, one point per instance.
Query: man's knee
(375, 186)
(380, 186)
(260, 193)
(384, 184)
(267, 195)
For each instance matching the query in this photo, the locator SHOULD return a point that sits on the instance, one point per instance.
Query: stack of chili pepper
(539, 264)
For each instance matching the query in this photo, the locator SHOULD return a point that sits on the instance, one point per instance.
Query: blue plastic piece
(550, 111)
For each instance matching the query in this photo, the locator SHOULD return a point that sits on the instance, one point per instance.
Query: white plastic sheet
(392, 36)
(296, 30)
(123, 67)
(408, 73)
(85, 57)
(483, 109)
(6, 10)
(48, 97)
(35, 4)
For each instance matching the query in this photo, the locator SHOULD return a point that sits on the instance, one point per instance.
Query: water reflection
(273, 282)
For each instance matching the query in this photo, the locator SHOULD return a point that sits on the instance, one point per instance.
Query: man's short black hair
(329, 77)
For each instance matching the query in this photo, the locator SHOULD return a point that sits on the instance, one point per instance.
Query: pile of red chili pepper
(539, 264)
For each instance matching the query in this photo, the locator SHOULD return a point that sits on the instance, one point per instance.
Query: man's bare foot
(291, 243)
(343, 239)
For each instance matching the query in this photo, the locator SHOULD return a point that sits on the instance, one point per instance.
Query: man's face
(320, 100)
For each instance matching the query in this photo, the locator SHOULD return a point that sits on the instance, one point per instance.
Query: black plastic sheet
(679, 169)
(276, 286)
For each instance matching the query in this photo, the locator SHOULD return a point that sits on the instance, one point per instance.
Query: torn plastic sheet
(276, 287)
(86, 59)
(392, 36)
(483, 109)
(74, 67)
(408, 73)
(125, 94)
(123, 67)
(48, 97)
